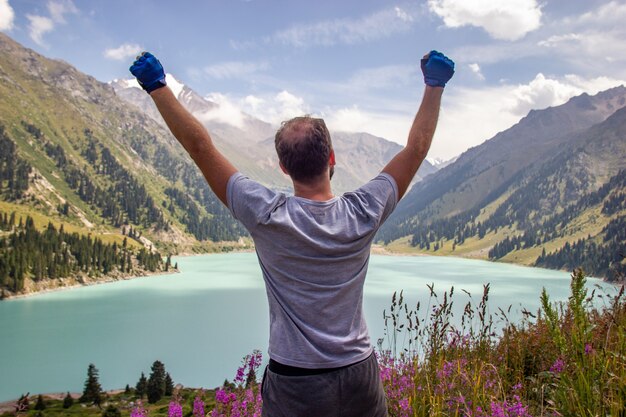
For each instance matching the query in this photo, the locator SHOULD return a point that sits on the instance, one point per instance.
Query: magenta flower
(139, 411)
(175, 409)
(223, 397)
(240, 402)
(558, 366)
(198, 407)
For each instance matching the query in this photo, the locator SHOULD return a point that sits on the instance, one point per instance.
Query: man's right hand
(437, 69)
(149, 72)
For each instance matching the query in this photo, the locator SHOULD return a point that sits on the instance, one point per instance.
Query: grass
(589, 223)
(124, 402)
(41, 222)
(568, 360)
(473, 247)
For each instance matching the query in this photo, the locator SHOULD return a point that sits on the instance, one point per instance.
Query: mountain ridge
(529, 198)
(360, 155)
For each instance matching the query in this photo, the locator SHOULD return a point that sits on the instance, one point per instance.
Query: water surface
(202, 321)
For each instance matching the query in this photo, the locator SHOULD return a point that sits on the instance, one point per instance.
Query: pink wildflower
(139, 411)
(198, 407)
(175, 409)
(558, 366)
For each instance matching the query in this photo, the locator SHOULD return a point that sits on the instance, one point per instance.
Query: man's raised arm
(184, 126)
(438, 70)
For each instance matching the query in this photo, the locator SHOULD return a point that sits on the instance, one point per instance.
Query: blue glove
(437, 69)
(149, 72)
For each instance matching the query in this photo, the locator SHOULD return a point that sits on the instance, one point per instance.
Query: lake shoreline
(56, 285)
(59, 284)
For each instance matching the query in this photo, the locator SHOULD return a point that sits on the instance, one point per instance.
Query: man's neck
(317, 191)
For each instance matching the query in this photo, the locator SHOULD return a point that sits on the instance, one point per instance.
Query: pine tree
(169, 385)
(40, 404)
(142, 386)
(156, 382)
(68, 401)
(93, 391)
(168, 263)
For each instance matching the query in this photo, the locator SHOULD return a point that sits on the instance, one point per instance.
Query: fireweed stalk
(244, 399)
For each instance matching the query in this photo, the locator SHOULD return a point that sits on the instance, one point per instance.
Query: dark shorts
(352, 391)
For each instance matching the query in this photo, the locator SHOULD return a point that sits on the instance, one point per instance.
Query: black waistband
(286, 370)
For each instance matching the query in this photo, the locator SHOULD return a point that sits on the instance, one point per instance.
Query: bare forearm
(405, 164)
(196, 141)
(183, 125)
(424, 124)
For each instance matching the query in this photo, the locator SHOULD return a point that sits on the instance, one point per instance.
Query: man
(313, 248)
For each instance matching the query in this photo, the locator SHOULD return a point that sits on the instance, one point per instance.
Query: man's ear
(283, 168)
(331, 160)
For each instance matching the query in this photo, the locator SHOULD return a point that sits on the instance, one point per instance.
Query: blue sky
(355, 63)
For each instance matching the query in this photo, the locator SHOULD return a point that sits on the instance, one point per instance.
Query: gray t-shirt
(314, 257)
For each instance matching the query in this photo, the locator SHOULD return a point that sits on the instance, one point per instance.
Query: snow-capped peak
(174, 84)
(126, 83)
(435, 161)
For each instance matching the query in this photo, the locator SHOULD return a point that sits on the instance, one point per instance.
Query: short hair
(303, 146)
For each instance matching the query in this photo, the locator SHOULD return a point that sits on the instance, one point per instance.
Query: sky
(353, 62)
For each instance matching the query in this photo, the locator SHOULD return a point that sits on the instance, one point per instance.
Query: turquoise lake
(202, 321)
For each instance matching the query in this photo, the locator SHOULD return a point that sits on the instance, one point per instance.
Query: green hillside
(74, 154)
(562, 209)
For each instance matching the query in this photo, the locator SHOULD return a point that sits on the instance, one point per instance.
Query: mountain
(75, 158)
(249, 142)
(531, 192)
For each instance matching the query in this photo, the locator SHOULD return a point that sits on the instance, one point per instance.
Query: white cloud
(556, 40)
(40, 25)
(227, 111)
(590, 41)
(382, 77)
(6, 15)
(611, 13)
(502, 19)
(544, 92)
(234, 69)
(475, 68)
(58, 9)
(271, 108)
(378, 25)
(591, 44)
(590, 48)
(124, 51)
(391, 126)
(275, 108)
(403, 15)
